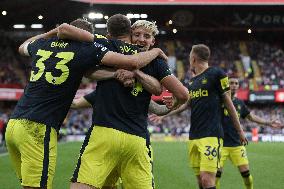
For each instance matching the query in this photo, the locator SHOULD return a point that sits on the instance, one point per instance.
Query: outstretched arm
(131, 62)
(67, 31)
(259, 120)
(23, 49)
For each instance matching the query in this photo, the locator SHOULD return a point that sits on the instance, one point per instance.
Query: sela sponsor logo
(198, 93)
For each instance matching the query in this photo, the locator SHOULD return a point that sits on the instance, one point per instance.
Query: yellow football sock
(248, 180)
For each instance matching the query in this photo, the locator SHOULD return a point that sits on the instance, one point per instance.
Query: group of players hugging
(117, 148)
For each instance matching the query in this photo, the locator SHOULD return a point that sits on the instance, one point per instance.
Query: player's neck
(233, 96)
(201, 68)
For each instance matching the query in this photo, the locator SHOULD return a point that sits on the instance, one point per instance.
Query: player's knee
(245, 173)
(206, 180)
(218, 174)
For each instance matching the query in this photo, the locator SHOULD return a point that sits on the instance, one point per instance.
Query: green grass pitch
(171, 167)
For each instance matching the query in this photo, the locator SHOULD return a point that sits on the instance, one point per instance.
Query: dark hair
(118, 25)
(83, 24)
(201, 51)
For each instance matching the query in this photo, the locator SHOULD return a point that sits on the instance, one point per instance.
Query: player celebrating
(120, 124)
(57, 69)
(89, 101)
(233, 149)
(208, 90)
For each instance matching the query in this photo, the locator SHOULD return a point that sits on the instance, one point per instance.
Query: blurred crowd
(6, 109)
(259, 65)
(270, 59)
(13, 67)
(260, 61)
(78, 122)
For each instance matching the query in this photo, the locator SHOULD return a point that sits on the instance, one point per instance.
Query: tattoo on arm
(158, 109)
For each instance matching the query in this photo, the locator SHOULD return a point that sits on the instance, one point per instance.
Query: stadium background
(246, 39)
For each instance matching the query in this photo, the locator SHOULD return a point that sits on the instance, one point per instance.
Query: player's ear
(153, 42)
(194, 58)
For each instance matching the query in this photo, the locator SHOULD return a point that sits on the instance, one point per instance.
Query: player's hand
(168, 101)
(129, 82)
(276, 124)
(161, 54)
(122, 75)
(156, 119)
(243, 139)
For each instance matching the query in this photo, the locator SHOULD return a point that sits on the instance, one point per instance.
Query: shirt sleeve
(101, 40)
(33, 46)
(93, 54)
(100, 51)
(162, 69)
(244, 110)
(222, 81)
(91, 98)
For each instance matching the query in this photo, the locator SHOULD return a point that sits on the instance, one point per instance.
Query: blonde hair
(147, 25)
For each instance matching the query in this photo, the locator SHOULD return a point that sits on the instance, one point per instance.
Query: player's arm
(80, 103)
(170, 82)
(223, 89)
(158, 109)
(176, 88)
(101, 74)
(131, 62)
(178, 110)
(159, 118)
(272, 123)
(67, 31)
(234, 116)
(23, 49)
(151, 84)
